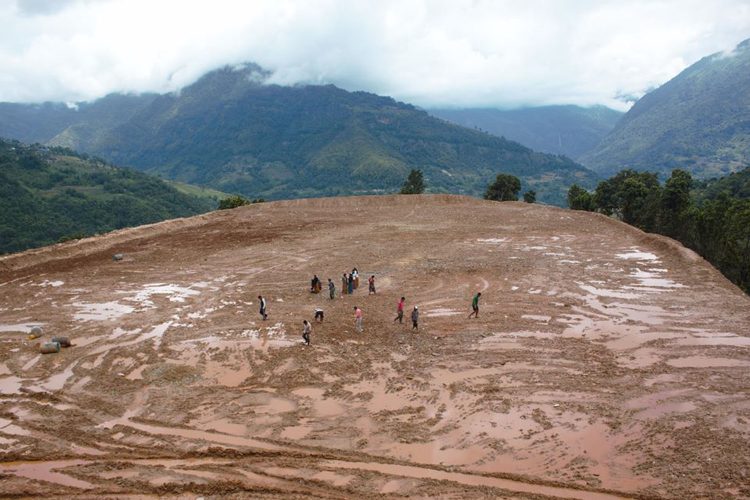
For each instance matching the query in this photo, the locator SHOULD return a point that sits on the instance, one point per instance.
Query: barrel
(49, 348)
(63, 341)
(35, 332)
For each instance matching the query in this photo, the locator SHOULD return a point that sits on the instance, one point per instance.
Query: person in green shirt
(475, 305)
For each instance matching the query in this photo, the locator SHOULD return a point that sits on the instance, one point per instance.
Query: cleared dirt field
(605, 363)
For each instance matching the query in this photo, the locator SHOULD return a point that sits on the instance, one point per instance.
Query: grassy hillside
(698, 121)
(228, 132)
(48, 194)
(564, 130)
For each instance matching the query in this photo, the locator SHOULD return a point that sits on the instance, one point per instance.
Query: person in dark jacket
(415, 318)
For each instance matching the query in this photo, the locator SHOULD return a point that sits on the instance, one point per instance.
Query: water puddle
(440, 312)
(537, 317)
(174, 293)
(103, 311)
(707, 362)
(19, 327)
(470, 480)
(321, 407)
(718, 340)
(10, 385)
(602, 292)
(666, 409)
(635, 254)
(46, 471)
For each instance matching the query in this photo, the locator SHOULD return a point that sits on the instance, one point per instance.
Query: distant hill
(698, 121)
(48, 194)
(564, 130)
(229, 132)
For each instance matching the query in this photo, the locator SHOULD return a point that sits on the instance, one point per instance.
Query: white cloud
(431, 53)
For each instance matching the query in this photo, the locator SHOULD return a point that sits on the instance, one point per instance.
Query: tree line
(714, 224)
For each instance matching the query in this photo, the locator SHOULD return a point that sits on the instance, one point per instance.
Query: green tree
(675, 204)
(580, 199)
(529, 196)
(414, 183)
(505, 188)
(233, 202)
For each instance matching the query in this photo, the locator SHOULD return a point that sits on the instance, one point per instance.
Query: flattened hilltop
(605, 362)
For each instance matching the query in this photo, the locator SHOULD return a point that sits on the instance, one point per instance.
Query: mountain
(230, 132)
(48, 194)
(698, 121)
(564, 130)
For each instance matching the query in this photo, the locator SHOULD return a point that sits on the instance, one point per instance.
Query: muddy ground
(605, 363)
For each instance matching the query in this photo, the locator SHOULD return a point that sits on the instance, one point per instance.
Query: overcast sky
(495, 53)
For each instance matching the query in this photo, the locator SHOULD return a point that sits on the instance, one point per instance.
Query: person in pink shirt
(358, 319)
(400, 311)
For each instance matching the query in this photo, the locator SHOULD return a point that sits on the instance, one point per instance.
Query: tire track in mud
(48, 471)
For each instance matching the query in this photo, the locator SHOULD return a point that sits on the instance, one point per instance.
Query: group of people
(349, 284)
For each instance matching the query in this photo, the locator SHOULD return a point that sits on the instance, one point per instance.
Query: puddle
(321, 407)
(10, 385)
(57, 381)
(103, 311)
(20, 327)
(635, 254)
(45, 471)
(296, 432)
(665, 409)
(332, 477)
(601, 292)
(174, 293)
(441, 312)
(719, 340)
(652, 279)
(448, 377)
(706, 362)
(537, 317)
(470, 480)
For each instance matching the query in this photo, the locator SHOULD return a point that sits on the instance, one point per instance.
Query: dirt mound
(605, 362)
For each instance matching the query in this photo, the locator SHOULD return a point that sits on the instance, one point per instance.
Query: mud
(605, 363)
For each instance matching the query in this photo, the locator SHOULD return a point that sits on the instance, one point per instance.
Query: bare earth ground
(606, 363)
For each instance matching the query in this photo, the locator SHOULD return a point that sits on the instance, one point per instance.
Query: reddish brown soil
(605, 362)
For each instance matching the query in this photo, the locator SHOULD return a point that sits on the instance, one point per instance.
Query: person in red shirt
(400, 311)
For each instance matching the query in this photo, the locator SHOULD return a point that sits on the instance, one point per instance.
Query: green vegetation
(711, 217)
(237, 201)
(231, 134)
(504, 188)
(561, 130)
(414, 184)
(54, 194)
(697, 122)
(529, 196)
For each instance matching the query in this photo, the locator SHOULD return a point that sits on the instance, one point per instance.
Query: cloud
(431, 53)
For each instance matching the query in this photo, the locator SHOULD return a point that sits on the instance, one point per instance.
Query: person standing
(358, 319)
(355, 278)
(350, 284)
(475, 305)
(371, 284)
(415, 318)
(331, 289)
(344, 284)
(262, 310)
(306, 331)
(400, 311)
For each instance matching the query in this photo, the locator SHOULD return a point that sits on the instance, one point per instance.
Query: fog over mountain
(499, 54)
